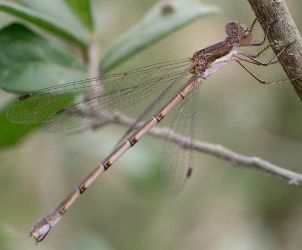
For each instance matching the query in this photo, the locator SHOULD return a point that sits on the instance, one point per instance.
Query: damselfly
(71, 105)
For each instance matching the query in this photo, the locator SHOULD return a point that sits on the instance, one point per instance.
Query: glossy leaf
(82, 8)
(29, 62)
(12, 133)
(60, 11)
(42, 21)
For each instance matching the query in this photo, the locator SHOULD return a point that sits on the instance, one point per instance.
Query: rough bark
(274, 14)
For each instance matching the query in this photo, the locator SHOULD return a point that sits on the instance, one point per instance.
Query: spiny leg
(250, 59)
(261, 80)
(265, 35)
(263, 41)
(261, 51)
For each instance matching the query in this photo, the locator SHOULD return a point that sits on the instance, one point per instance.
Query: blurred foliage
(12, 132)
(157, 24)
(30, 62)
(4, 239)
(82, 8)
(41, 21)
(221, 208)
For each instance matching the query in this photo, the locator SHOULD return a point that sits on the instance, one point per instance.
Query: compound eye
(246, 34)
(232, 29)
(246, 37)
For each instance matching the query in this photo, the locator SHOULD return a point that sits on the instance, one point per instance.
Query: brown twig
(275, 17)
(293, 178)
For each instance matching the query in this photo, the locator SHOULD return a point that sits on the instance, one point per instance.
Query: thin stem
(282, 31)
(92, 67)
(257, 77)
(93, 58)
(293, 178)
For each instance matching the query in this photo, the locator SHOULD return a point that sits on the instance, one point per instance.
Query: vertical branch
(93, 58)
(274, 14)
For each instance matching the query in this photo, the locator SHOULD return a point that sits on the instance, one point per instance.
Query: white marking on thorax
(219, 63)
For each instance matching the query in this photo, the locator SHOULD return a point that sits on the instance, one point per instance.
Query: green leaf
(29, 62)
(158, 23)
(82, 8)
(12, 133)
(42, 21)
(60, 11)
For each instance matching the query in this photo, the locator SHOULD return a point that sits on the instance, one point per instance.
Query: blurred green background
(220, 208)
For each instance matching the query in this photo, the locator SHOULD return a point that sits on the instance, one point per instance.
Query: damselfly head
(233, 29)
(238, 34)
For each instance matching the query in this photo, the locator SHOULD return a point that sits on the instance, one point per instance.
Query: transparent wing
(177, 163)
(157, 102)
(64, 106)
(104, 106)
